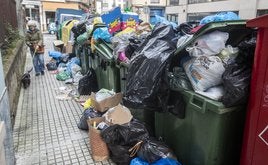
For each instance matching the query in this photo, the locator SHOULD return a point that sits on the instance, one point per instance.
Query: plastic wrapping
(120, 138)
(236, 81)
(222, 16)
(88, 83)
(153, 150)
(88, 113)
(163, 20)
(147, 67)
(209, 44)
(74, 61)
(126, 134)
(119, 154)
(178, 79)
(228, 53)
(162, 161)
(82, 38)
(52, 65)
(75, 69)
(62, 76)
(55, 54)
(215, 93)
(134, 44)
(236, 78)
(204, 72)
(120, 43)
(103, 94)
(102, 33)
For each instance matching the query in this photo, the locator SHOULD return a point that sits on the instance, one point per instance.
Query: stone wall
(5, 116)
(14, 69)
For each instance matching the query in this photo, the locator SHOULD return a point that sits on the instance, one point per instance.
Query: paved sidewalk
(45, 130)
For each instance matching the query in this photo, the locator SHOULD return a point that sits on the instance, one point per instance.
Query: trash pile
(215, 69)
(114, 133)
(119, 64)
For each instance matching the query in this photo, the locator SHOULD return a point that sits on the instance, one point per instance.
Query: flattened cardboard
(107, 103)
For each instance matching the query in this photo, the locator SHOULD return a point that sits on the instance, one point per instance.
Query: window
(202, 1)
(262, 12)
(173, 2)
(155, 1)
(172, 18)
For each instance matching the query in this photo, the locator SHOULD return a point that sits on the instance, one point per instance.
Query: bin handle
(198, 104)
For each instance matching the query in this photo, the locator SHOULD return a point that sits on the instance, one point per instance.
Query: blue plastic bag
(102, 33)
(55, 54)
(163, 161)
(73, 61)
(163, 20)
(222, 16)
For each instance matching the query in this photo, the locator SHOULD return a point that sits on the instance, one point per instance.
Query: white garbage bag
(204, 72)
(208, 44)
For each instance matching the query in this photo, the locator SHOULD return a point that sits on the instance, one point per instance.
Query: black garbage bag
(147, 66)
(236, 80)
(153, 150)
(237, 75)
(52, 65)
(134, 44)
(120, 138)
(120, 154)
(88, 113)
(176, 104)
(126, 134)
(88, 83)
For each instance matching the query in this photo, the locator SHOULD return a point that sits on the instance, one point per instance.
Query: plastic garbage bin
(106, 71)
(209, 133)
(123, 67)
(255, 144)
(84, 58)
(66, 31)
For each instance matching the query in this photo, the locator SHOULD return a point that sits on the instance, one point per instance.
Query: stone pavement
(45, 130)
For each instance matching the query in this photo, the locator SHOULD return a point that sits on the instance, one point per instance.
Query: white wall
(247, 8)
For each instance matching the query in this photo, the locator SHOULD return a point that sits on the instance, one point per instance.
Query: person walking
(34, 40)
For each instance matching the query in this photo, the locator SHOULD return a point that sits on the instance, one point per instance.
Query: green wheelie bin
(209, 133)
(105, 66)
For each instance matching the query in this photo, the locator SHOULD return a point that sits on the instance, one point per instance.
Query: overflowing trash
(118, 65)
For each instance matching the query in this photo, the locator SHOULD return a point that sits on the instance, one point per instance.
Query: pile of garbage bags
(126, 138)
(214, 69)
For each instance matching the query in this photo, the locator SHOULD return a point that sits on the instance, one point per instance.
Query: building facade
(147, 9)
(193, 10)
(43, 11)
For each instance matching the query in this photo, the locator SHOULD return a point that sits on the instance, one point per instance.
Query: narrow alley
(45, 130)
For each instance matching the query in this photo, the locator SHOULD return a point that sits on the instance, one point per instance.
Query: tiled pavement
(45, 130)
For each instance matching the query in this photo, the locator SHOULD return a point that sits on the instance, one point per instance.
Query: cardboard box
(129, 19)
(118, 115)
(69, 47)
(107, 103)
(58, 45)
(112, 20)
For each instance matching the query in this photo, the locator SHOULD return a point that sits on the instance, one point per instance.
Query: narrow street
(45, 130)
